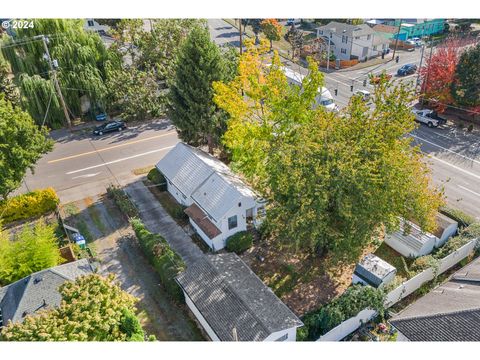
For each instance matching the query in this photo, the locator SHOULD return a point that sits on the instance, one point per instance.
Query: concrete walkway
(158, 221)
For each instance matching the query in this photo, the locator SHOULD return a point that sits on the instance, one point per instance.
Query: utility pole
(396, 40)
(240, 29)
(328, 54)
(428, 69)
(55, 80)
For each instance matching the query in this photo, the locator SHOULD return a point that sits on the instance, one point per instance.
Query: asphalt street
(82, 165)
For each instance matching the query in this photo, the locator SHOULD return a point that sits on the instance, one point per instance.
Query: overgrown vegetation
(355, 299)
(123, 202)
(33, 249)
(157, 178)
(167, 263)
(93, 308)
(29, 205)
(240, 242)
(459, 216)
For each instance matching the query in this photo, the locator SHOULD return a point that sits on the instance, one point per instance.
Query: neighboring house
(391, 32)
(411, 241)
(218, 203)
(38, 291)
(373, 271)
(419, 27)
(92, 25)
(450, 312)
(348, 42)
(233, 304)
(446, 228)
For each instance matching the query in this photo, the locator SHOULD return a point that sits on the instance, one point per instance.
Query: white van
(324, 97)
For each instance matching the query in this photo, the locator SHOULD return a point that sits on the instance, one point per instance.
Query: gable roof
(415, 240)
(386, 29)
(39, 290)
(204, 178)
(229, 295)
(373, 269)
(348, 29)
(447, 313)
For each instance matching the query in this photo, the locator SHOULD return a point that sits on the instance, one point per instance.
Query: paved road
(453, 155)
(81, 165)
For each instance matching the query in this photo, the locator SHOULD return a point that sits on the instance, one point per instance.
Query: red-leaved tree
(438, 74)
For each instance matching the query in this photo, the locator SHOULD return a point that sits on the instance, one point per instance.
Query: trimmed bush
(122, 201)
(240, 242)
(157, 178)
(167, 263)
(349, 304)
(463, 219)
(29, 205)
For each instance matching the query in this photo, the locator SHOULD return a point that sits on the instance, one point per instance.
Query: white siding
(177, 194)
(291, 335)
(217, 243)
(201, 319)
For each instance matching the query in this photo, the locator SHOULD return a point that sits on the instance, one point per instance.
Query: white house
(233, 304)
(373, 271)
(92, 25)
(348, 42)
(412, 243)
(218, 203)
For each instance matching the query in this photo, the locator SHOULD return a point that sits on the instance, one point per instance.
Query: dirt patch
(303, 281)
(118, 252)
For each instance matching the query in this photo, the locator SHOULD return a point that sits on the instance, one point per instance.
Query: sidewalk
(157, 220)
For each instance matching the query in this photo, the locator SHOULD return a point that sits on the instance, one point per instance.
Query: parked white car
(428, 117)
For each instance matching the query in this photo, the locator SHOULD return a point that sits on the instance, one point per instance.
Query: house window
(1, 319)
(331, 34)
(343, 38)
(283, 337)
(346, 39)
(369, 37)
(232, 222)
(321, 32)
(343, 51)
(357, 37)
(375, 48)
(90, 23)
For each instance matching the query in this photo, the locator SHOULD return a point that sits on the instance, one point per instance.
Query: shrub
(472, 231)
(470, 128)
(123, 201)
(463, 219)
(167, 263)
(355, 299)
(29, 205)
(240, 242)
(451, 245)
(157, 178)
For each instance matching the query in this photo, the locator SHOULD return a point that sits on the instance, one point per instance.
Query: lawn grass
(95, 216)
(142, 170)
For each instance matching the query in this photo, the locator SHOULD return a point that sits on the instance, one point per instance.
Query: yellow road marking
(108, 148)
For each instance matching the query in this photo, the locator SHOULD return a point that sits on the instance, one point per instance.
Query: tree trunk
(271, 45)
(210, 144)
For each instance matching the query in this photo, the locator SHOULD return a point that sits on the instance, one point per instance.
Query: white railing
(350, 325)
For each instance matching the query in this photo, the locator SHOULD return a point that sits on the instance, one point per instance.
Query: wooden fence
(399, 293)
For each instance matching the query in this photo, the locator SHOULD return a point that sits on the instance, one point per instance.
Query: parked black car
(115, 125)
(407, 69)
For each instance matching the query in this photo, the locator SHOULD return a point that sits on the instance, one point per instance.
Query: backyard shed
(411, 242)
(373, 271)
(447, 228)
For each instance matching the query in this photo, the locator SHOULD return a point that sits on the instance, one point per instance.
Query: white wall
(217, 243)
(291, 335)
(447, 233)
(201, 319)
(407, 251)
(348, 326)
(177, 194)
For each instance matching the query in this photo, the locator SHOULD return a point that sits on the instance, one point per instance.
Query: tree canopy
(332, 180)
(22, 143)
(81, 57)
(466, 87)
(93, 308)
(295, 38)
(32, 249)
(191, 108)
(8, 90)
(272, 30)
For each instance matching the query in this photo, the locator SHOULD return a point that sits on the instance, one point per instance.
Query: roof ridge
(439, 314)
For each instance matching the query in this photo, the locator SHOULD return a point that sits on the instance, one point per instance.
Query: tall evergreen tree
(191, 107)
(466, 88)
(7, 88)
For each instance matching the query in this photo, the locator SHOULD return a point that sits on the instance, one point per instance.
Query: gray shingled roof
(373, 270)
(39, 290)
(348, 29)
(229, 295)
(447, 313)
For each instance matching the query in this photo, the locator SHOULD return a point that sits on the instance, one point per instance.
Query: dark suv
(407, 69)
(115, 125)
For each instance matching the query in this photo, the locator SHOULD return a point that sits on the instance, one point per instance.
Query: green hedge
(463, 219)
(123, 201)
(349, 304)
(167, 263)
(157, 178)
(240, 242)
(28, 205)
